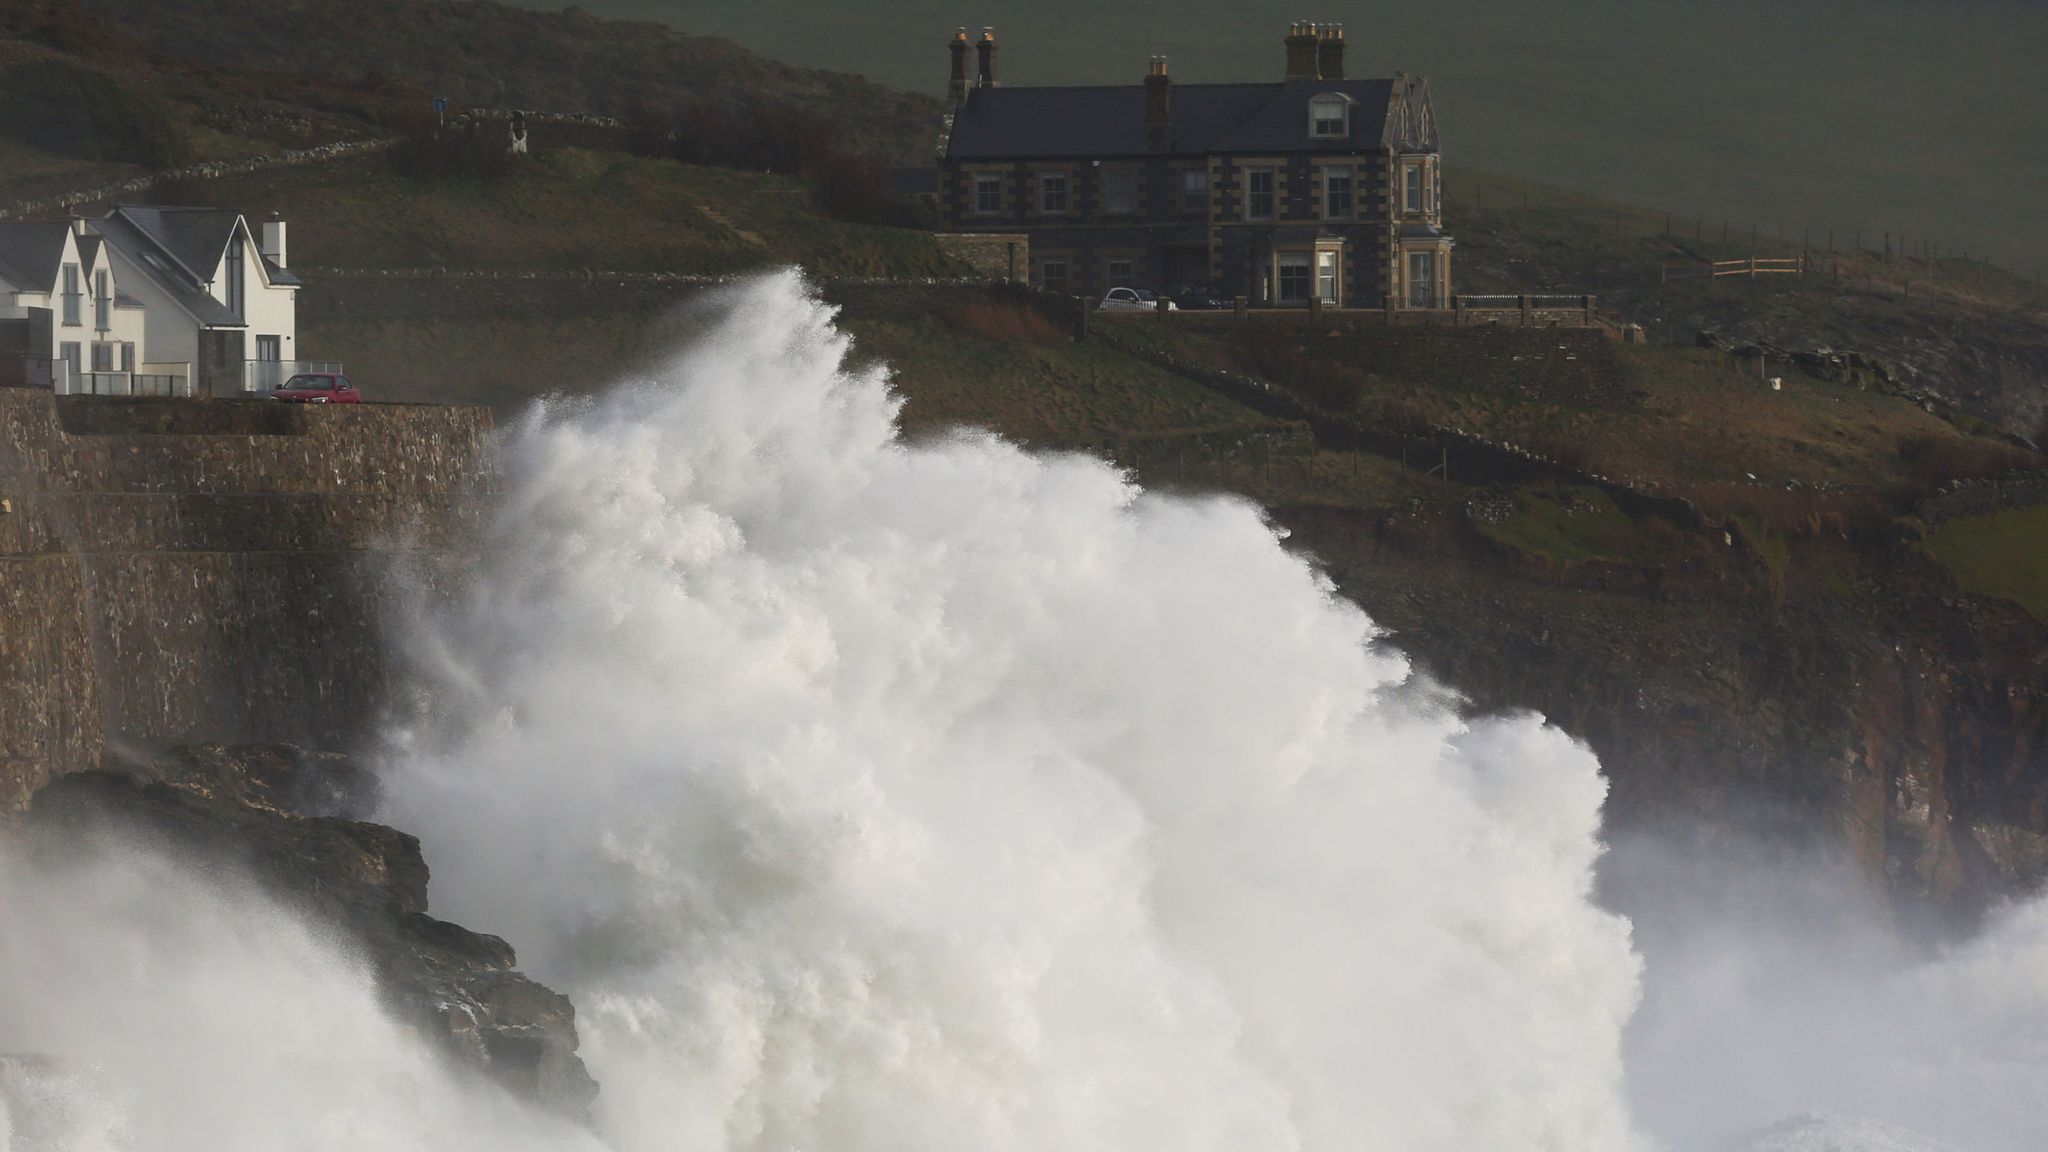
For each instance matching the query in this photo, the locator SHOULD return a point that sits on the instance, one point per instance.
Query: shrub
(462, 149)
(765, 138)
(1009, 322)
(649, 130)
(74, 111)
(1268, 352)
(1937, 460)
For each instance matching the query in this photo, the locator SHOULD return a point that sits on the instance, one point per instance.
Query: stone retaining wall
(180, 570)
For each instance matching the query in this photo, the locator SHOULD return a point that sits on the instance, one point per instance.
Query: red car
(319, 388)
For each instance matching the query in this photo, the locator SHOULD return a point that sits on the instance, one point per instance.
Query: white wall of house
(269, 309)
(125, 327)
(171, 333)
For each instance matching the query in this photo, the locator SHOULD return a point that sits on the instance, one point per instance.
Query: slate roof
(194, 237)
(1005, 123)
(153, 245)
(30, 254)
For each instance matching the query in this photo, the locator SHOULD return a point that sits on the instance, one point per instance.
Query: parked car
(1200, 296)
(319, 388)
(1133, 300)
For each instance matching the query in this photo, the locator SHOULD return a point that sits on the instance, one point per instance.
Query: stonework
(180, 571)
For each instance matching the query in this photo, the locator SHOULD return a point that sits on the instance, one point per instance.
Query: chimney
(1158, 108)
(273, 241)
(1330, 52)
(1301, 51)
(77, 221)
(985, 77)
(956, 89)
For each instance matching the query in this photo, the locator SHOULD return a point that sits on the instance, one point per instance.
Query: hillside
(1816, 609)
(96, 93)
(476, 52)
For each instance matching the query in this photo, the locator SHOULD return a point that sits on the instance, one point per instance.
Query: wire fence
(1719, 240)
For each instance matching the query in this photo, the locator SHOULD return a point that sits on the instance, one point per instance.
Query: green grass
(569, 209)
(1566, 524)
(2001, 555)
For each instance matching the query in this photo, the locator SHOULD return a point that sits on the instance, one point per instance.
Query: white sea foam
(145, 1007)
(873, 795)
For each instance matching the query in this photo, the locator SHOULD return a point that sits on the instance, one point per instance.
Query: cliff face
(176, 571)
(1882, 715)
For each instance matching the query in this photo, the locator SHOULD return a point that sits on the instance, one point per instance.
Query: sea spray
(150, 1006)
(870, 794)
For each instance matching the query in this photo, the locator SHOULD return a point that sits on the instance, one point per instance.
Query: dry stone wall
(181, 570)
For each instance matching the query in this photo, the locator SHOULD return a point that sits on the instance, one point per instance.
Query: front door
(221, 357)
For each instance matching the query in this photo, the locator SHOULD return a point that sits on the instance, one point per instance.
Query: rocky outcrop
(292, 820)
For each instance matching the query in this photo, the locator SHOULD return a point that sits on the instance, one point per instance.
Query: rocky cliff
(291, 820)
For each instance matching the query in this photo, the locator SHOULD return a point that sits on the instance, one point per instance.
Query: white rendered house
(96, 335)
(216, 298)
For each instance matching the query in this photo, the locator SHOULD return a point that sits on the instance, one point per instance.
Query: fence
(1526, 310)
(1477, 203)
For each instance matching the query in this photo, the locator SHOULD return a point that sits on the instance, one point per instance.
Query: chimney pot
(1302, 41)
(274, 241)
(1330, 52)
(985, 51)
(956, 85)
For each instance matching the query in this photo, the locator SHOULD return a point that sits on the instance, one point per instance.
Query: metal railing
(270, 375)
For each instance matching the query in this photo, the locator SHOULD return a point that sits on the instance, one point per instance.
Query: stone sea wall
(184, 571)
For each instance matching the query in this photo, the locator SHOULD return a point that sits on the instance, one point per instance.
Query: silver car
(1134, 300)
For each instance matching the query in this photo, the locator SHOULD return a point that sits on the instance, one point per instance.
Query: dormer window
(1329, 116)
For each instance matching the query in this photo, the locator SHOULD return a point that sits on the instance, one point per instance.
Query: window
(269, 349)
(988, 195)
(1337, 193)
(102, 357)
(1258, 196)
(1329, 116)
(1052, 274)
(68, 352)
(1194, 190)
(71, 295)
(1052, 192)
(1120, 275)
(1422, 279)
(1294, 277)
(128, 356)
(1414, 197)
(102, 303)
(1326, 277)
(235, 276)
(1119, 191)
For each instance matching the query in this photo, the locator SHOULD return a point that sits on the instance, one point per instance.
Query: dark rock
(265, 811)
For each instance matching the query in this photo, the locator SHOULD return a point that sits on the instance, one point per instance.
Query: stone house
(1315, 185)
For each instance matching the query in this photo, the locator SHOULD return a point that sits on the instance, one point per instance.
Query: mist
(150, 1004)
(1778, 983)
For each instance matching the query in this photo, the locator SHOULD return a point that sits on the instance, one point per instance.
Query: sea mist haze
(867, 793)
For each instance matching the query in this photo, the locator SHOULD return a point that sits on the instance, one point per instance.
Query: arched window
(1329, 116)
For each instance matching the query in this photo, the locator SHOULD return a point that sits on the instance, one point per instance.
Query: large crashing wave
(874, 796)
